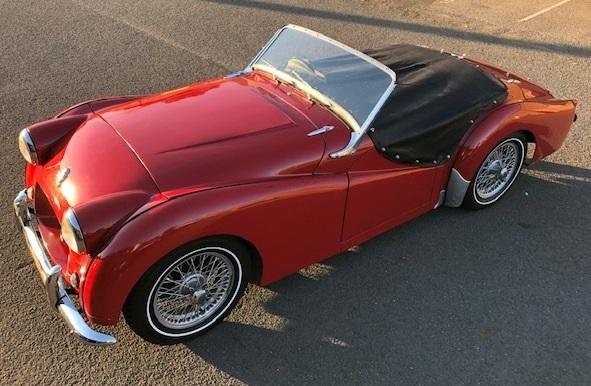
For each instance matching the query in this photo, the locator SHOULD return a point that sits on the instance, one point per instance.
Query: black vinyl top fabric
(436, 100)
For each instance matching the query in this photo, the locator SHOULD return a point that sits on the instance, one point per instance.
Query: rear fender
(546, 122)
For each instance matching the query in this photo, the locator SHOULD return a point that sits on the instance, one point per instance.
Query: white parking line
(543, 11)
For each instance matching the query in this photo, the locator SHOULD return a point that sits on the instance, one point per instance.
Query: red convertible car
(163, 207)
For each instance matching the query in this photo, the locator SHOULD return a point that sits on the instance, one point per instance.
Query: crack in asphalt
(154, 35)
(22, 265)
(402, 25)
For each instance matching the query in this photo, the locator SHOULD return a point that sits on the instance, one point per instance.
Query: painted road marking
(543, 11)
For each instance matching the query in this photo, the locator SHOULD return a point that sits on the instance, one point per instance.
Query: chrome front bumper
(51, 276)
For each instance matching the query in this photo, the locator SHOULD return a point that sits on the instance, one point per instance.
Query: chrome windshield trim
(311, 93)
(360, 54)
(357, 129)
(356, 136)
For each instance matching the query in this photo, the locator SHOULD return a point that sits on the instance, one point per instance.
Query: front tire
(497, 172)
(189, 291)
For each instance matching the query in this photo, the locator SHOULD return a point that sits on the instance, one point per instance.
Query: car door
(383, 194)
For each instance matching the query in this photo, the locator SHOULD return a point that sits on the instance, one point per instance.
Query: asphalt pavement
(499, 296)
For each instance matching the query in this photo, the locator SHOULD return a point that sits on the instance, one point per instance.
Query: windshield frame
(358, 129)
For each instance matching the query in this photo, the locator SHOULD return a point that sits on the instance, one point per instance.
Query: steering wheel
(306, 68)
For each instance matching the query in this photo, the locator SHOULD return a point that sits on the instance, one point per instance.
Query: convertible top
(436, 100)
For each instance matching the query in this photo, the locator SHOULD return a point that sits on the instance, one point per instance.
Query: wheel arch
(529, 135)
(500, 124)
(544, 123)
(531, 145)
(253, 254)
(457, 186)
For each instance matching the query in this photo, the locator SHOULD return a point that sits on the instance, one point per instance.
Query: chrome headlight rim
(27, 146)
(72, 232)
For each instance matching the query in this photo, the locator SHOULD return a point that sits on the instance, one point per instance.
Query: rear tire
(189, 291)
(497, 172)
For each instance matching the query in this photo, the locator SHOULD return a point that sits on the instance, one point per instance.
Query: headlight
(72, 233)
(27, 147)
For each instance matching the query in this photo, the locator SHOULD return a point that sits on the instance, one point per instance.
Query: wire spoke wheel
(193, 289)
(189, 291)
(498, 171)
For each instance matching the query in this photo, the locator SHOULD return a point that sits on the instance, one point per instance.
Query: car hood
(222, 132)
(95, 163)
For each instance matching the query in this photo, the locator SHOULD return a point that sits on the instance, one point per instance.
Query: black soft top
(436, 100)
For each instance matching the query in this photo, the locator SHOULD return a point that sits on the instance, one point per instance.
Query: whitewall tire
(189, 291)
(497, 172)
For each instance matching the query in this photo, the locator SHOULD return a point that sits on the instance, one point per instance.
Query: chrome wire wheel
(498, 171)
(193, 289)
(189, 290)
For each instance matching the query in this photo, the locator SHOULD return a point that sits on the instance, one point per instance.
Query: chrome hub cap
(198, 297)
(193, 289)
(497, 171)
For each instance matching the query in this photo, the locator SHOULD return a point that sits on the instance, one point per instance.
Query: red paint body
(232, 157)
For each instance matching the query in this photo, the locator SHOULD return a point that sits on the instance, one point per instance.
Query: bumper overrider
(51, 276)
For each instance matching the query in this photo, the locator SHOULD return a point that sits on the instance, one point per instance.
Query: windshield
(351, 84)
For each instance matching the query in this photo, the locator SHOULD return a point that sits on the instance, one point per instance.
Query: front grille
(49, 228)
(43, 209)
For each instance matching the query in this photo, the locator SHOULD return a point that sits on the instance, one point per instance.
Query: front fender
(95, 105)
(292, 222)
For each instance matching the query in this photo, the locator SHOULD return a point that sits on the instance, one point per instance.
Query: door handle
(320, 130)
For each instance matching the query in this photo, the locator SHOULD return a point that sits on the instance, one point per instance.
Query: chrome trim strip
(356, 139)
(457, 187)
(350, 148)
(320, 130)
(69, 220)
(51, 276)
(357, 132)
(440, 200)
(235, 74)
(248, 68)
(345, 47)
(27, 147)
(61, 176)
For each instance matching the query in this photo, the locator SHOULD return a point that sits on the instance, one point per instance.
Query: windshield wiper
(306, 84)
(300, 78)
(269, 64)
(310, 92)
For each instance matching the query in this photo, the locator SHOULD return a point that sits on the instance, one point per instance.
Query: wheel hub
(498, 170)
(198, 297)
(192, 281)
(193, 287)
